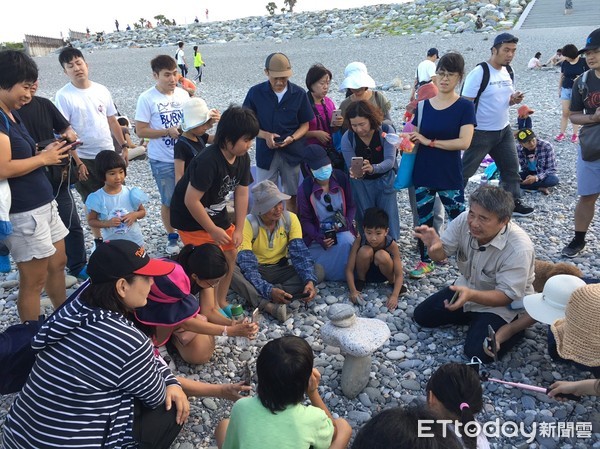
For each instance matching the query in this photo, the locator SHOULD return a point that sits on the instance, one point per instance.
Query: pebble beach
(401, 368)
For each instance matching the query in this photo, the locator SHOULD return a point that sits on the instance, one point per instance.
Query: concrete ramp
(550, 14)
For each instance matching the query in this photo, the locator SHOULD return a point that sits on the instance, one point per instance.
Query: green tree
(271, 7)
(142, 22)
(290, 4)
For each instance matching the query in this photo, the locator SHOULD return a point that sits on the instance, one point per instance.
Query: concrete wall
(41, 46)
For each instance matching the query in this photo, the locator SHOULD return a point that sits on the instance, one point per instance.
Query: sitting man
(263, 274)
(496, 261)
(538, 162)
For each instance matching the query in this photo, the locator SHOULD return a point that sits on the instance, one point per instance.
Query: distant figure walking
(117, 25)
(198, 64)
(568, 6)
(206, 12)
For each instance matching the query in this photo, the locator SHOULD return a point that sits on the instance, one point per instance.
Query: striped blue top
(91, 365)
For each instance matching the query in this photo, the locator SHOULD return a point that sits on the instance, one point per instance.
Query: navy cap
(592, 42)
(316, 156)
(505, 38)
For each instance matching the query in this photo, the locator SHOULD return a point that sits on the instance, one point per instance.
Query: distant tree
(162, 20)
(142, 22)
(271, 7)
(282, 10)
(290, 4)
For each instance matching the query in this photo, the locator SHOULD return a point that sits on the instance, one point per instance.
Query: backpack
(285, 219)
(176, 53)
(485, 80)
(16, 354)
(582, 86)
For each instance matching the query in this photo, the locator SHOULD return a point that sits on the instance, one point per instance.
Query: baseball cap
(116, 259)
(592, 42)
(432, 51)
(316, 156)
(505, 38)
(525, 135)
(278, 65)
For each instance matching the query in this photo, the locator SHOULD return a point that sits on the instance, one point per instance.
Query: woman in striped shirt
(96, 381)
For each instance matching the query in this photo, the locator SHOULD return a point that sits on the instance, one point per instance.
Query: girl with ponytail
(454, 392)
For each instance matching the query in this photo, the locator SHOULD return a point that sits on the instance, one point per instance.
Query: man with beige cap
(283, 111)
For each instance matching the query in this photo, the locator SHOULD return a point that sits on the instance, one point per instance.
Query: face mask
(323, 173)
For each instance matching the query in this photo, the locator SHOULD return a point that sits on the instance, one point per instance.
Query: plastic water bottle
(392, 138)
(237, 315)
(484, 180)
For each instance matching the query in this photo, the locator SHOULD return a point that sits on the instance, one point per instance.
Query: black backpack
(485, 80)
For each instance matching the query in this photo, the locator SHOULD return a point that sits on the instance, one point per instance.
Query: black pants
(432, 313)
(154, 428)
(74, 241)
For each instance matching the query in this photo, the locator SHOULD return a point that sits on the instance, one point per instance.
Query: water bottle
(392, 138)
(484, 180)
(237, 315)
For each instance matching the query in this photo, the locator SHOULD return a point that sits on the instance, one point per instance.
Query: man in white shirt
(493, 134)
(180, 57)
(425, 73)
(157, 117)
(89, 107)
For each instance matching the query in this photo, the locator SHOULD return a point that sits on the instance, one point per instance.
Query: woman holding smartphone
(374, 168)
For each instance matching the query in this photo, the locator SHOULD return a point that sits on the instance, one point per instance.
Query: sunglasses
(327, 199)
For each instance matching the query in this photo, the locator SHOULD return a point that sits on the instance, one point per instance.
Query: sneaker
(422, 269)
(560, 137)
(522, 210)
(172, 248)
(5, 264)
(572, 249)
(574, 138)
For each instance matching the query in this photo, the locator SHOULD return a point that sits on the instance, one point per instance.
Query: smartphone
(278, 140)
(356, 167)
(492, 342)
(454, 297)
(334, 115)
(300, 296)
(76, 144)
(331, 234)
(255, 316)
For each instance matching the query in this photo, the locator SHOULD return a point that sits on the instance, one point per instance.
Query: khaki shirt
(507, 264)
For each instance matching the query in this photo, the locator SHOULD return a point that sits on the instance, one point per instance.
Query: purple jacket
(311, 227)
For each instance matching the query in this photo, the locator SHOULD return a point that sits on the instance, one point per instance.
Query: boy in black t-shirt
(197, 119)
(199, 203)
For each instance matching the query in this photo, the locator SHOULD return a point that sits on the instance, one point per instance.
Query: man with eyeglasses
(585, 110)
(493, 135)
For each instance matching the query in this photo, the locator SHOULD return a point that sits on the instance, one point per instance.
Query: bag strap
(420, 108)
(189, 144)
(285, 219)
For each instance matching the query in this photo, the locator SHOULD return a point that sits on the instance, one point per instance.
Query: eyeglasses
(327, 199)
(447, 75)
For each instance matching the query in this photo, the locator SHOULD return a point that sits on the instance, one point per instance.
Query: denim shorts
(588, 175)
(566, 94)
(164, 175)
(35, 232)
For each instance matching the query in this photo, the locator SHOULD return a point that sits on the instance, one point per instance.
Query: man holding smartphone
(283, 111)
(495, 258)
(490, 85)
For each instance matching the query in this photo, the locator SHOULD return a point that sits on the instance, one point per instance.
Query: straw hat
(549, 306)
(578, 333)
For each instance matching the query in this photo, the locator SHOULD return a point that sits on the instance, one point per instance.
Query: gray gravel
(400, 370)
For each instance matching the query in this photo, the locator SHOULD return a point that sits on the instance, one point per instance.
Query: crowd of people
(323, 206)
